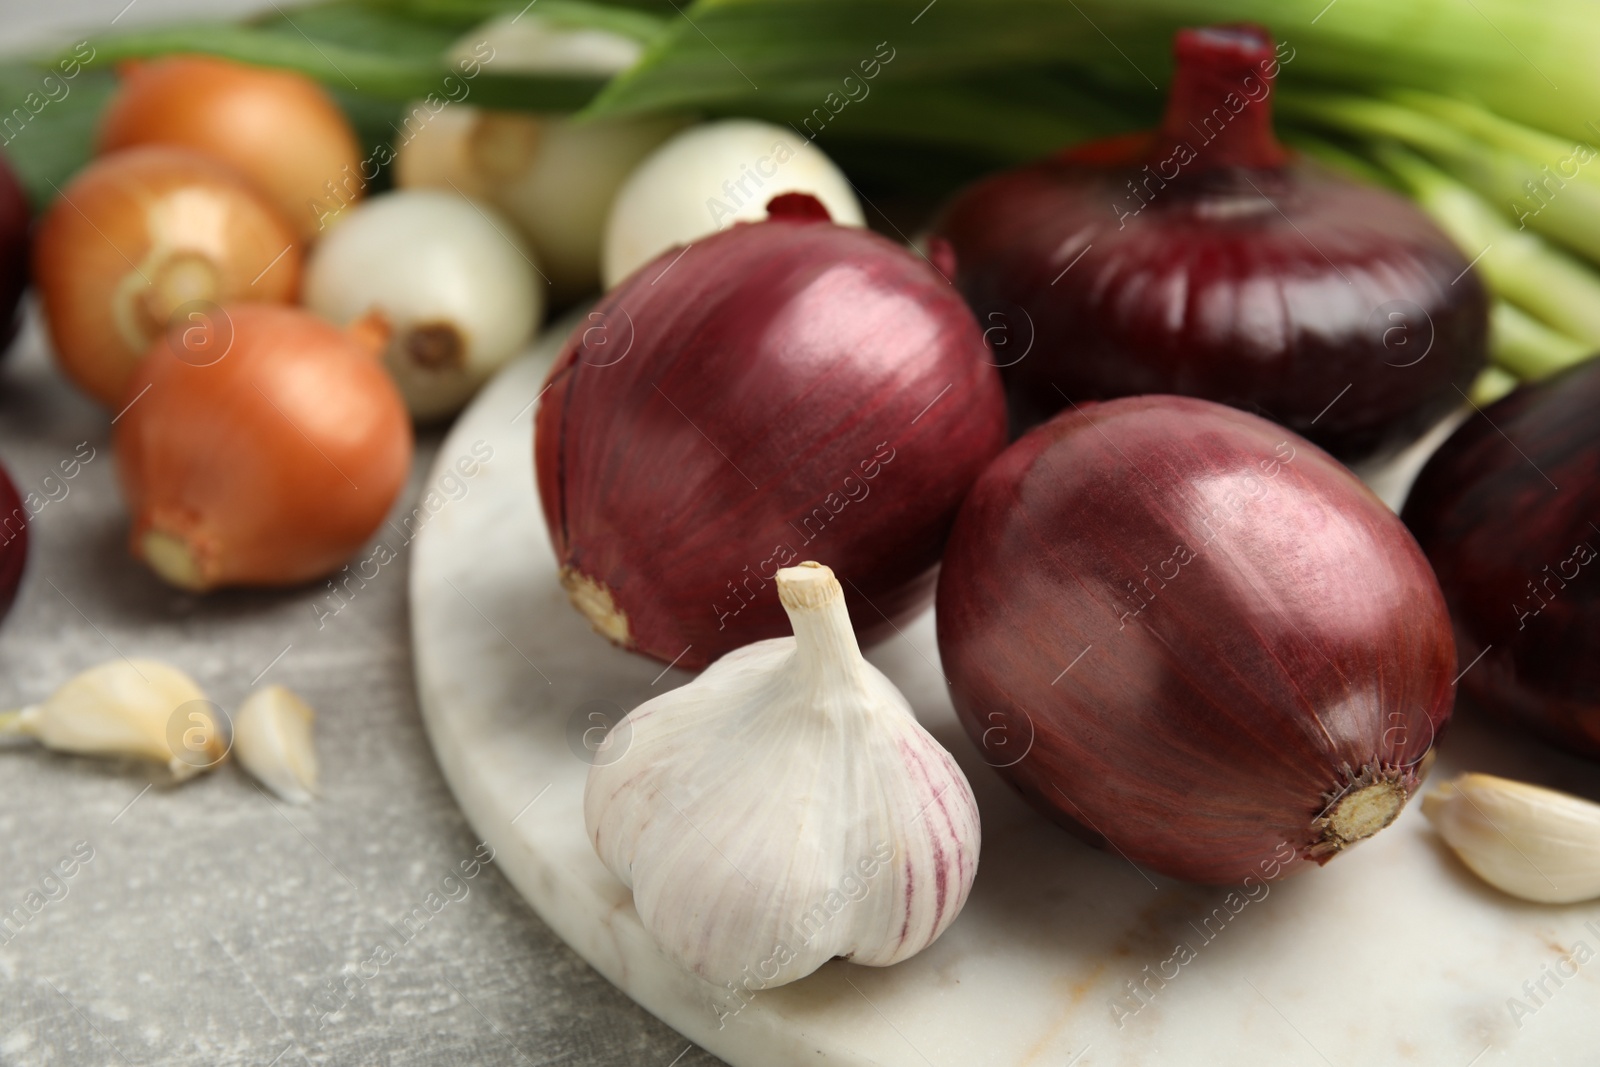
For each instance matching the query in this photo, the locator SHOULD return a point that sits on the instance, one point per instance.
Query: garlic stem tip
(809, 585)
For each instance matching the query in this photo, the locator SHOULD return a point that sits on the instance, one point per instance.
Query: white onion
(525, 43)
(709, 177)
(562, 198)
(554, 178)
(453, 278)
(438, 154)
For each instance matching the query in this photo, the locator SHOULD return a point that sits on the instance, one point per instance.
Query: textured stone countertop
(215, 924)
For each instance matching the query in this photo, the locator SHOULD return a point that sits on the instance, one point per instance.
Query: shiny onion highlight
(148, 238)
(777, 391)
(262, 448)
(1204, 259)
(1519, 558)
(1187, 634)
(279, 129)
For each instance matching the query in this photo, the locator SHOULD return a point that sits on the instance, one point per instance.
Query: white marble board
(1393, 954)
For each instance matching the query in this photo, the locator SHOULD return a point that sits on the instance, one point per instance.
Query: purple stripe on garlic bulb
(785, 807)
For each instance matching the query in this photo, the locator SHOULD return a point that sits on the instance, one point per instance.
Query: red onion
(1519, 558)
(1221, 654)
(1203, 259)
(782, 390)
(13, 541)
(13, 250)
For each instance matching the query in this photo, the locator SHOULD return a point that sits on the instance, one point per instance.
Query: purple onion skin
(777, 368)
(14, 222)
(1197, 715)
(1519, 558)
(1250, 278)
(13, 541)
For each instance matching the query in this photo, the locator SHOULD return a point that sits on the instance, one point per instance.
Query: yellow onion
(263, 448)
(279, 129)
(141, 239)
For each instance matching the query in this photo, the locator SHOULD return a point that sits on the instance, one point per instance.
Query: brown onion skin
(109, 248)
(1251, 277)
(778, 368)
(13, 541)
(1199, 734)
(273, 462)
(1519, 559)
(279, 129)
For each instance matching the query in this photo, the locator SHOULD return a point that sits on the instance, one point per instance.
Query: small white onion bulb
(709, 177)
(526, 43)
(554, 178)
(455, 281)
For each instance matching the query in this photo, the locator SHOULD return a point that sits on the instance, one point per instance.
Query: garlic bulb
(455, 283)
(130, 707)
(1533, 843)
(785, 807)
(553, 177)
(709, 177)
(272, 740)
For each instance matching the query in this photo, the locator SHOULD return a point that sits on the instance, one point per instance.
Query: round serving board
(1392, 954)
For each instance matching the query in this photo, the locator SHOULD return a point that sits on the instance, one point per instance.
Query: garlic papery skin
(1530, 842)
(272, 740)
(707, 178)
(130, 707)
(785, 807)
(452, 278)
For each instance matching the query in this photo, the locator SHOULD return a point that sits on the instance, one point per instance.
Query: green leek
(1517, 265)
(1528, 348)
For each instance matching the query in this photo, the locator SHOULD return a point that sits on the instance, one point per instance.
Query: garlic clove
(785, 807)
(130, 707)
(1533, 843)
(272, 740)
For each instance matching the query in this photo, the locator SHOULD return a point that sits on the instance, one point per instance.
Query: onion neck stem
(1219, 107)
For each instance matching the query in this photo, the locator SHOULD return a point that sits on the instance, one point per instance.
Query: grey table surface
(215, 924)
